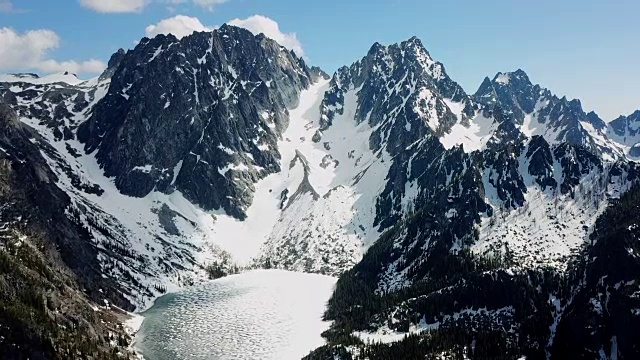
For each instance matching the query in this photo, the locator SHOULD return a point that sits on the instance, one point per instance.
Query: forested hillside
(591, 311)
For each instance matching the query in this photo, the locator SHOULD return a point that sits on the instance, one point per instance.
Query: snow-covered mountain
(539, 112)
(225, 149)
(625, 130)
(64, 77)
(365, 126)
(160, 154)
(500, 190)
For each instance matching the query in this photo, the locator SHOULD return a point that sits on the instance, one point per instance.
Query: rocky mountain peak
(401, 76)
(515, 78)
(375, 48)
(113, 64)
(209, 106)
(596, 121)
(626, 125)
(414, 46)
(406, 56)
(511, 90)
(514, 82)
(537, 111)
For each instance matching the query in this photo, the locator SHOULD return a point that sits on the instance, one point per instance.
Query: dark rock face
(501, 160)
(44, 204)
(541, 162)
(201, 115)
(595, 121)
(113, 64)
(576, 162)
(403, 94)
(626, 126)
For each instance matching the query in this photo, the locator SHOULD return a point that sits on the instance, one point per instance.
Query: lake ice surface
(262, 314)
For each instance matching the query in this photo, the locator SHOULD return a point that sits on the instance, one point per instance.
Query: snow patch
(66, 78)
(503, 79)
(473, 137)
(145, 169)
(550, 227)
(334, 227)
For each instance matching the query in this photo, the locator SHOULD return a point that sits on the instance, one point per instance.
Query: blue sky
(583, 49)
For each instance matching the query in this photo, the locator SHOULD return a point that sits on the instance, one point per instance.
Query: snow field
(262, 314)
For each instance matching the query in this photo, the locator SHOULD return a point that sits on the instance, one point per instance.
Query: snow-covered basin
(261, 314)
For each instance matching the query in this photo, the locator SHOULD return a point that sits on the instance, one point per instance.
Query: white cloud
(131, 6)
(208, 4)
(6, 6)
(115, 6)
(180, 26)
(92, 66)
(30, 50)
(261, 24)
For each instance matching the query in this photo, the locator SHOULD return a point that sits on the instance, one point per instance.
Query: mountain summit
(167, 91)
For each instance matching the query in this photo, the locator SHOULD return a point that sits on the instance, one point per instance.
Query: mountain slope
(605, 301)
(172, 131)
(506, 212)
(367, 129)
(48, 279)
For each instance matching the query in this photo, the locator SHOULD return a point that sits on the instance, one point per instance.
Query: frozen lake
(262, 314)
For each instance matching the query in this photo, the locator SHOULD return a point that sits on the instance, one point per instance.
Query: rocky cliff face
(200, 115)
